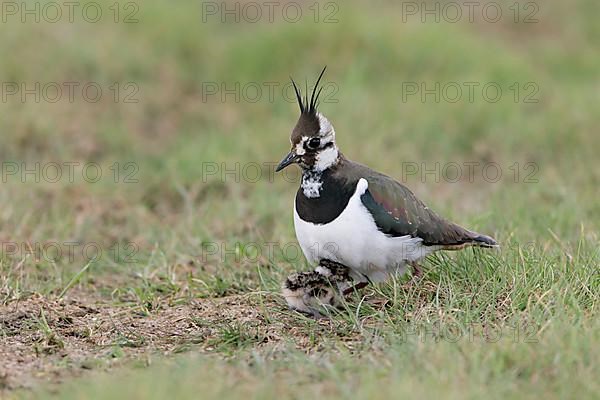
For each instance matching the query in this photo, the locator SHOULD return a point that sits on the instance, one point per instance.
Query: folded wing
(398, 212)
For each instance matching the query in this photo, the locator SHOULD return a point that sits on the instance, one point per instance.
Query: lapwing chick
(312, 292)
(351, 215)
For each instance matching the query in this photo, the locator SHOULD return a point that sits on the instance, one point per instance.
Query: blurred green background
(173, 138)
(168, 60)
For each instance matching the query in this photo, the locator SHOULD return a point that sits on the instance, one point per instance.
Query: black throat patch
(334, 194)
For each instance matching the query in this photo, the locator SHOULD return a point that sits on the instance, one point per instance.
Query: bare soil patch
(46, 339)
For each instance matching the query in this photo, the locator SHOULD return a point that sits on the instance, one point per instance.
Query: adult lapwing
(349, 215)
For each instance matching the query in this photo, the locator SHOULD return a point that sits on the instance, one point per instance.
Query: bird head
(313, 137)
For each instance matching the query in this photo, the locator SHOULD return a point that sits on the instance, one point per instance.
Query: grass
(163, 276)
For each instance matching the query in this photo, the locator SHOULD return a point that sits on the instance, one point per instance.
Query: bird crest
(309, 106)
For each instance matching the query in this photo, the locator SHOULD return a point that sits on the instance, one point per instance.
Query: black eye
(314, 143)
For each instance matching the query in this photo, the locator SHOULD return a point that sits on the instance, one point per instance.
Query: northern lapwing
(350, 215)
(308, 292)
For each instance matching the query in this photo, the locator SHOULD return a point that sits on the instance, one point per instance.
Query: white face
(323, 145)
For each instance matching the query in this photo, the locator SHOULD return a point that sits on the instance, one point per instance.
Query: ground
(145, 236)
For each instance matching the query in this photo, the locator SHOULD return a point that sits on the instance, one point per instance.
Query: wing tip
(485, 241)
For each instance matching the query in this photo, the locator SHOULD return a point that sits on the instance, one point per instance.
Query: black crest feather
(306, 106)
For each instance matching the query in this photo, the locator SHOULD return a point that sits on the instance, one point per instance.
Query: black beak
(289, 159)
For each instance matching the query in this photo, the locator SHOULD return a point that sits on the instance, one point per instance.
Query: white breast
(353, 240)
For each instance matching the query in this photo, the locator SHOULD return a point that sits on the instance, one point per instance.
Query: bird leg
(358, 286)
(417, 270)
